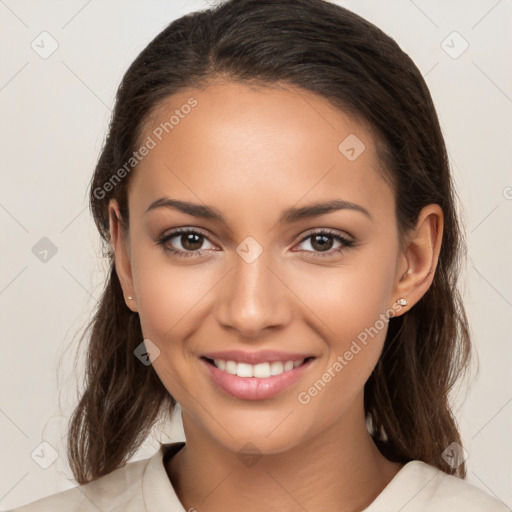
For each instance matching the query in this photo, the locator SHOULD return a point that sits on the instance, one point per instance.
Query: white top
(143, 486)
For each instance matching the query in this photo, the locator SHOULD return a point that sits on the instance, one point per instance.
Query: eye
(322, 241)
(191, 242)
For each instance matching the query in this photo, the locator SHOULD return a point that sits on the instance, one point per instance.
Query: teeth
(276, 368)
(244, 370)
(231, 367)
(260, 371)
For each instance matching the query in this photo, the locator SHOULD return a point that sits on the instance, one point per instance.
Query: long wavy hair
(320, 47)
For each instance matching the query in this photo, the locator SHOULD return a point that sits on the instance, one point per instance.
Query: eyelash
(345, 242)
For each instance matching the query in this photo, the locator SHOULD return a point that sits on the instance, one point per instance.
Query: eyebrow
(287, 217)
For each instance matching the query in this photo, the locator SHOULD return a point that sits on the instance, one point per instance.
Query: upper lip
(262, 356)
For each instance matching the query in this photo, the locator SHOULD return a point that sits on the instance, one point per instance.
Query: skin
(252, 153)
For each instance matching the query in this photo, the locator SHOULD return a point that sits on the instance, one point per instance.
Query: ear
(419, 257)
(122, 254)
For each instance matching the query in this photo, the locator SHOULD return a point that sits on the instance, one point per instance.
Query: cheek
(353, 305)
(169, 296)
(348, 299)
(173, 301)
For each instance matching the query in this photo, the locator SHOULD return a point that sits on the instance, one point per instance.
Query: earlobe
(121, 256)
(420, 256)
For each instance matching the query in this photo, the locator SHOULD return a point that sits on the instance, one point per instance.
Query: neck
(338, 469)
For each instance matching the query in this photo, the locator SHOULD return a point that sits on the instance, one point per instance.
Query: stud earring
(402, 302)
(130, 298)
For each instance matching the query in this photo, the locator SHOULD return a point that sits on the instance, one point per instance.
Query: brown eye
(185, 242)
(191, 241)
(324, 241)
(321, 242)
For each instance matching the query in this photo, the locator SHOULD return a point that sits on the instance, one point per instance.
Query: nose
(253, 299)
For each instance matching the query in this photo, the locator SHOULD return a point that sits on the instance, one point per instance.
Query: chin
(275, 432)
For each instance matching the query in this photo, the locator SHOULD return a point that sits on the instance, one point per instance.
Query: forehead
(235, 145)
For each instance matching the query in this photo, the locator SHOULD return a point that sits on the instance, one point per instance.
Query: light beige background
(54, 115)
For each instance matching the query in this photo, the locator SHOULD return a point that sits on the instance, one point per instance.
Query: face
(249, 272)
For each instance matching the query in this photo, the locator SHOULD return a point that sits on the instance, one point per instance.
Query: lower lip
(254, 388)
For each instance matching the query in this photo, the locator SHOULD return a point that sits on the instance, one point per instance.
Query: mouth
(260, 381)
(262, 370)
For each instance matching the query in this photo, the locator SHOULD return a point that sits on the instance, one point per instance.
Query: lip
(262, 356)
(254, 388)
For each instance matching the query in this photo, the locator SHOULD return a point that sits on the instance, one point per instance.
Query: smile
(259, 381)
(260, 371)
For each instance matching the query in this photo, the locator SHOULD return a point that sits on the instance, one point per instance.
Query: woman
(277, 203)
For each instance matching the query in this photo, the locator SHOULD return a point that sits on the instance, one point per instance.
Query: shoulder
(456, 492)
(421, 487)
(119, 490)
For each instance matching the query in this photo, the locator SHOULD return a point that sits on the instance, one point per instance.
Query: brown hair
(320, 47)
